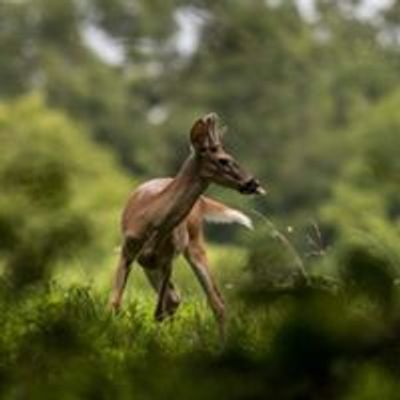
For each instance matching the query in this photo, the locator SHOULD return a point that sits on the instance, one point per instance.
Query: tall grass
(303, 341)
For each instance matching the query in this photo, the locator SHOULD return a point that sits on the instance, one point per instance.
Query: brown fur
(164, 218)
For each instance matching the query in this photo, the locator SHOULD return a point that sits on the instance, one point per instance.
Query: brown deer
(163, 218)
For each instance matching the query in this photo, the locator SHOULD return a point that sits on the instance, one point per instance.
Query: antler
(216, 132)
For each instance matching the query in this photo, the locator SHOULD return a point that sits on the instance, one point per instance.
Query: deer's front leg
(197, 258)
(161, 309)
(129, 251)
(172, 299)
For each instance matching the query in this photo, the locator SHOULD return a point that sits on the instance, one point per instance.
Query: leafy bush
(52, 179)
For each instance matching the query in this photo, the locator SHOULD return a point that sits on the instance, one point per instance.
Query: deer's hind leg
(196, 256)
(129, 252)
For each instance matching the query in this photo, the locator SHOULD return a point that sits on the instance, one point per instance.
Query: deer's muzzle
(252, 186)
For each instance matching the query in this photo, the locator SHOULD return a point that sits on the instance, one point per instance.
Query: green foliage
(284, 86)
(273, 262)
(364, 206)
(307, 343)
(52, 178)
(312, 104)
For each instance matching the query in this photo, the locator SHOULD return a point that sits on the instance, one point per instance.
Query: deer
(164, 217)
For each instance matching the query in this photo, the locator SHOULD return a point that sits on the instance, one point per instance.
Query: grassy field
(310, 342)
(59, 341)
(226, 262)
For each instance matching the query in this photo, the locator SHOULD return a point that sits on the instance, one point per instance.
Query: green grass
(226, 264)
(58, 341)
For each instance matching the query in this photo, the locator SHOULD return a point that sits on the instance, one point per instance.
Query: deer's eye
(213, 149)
(203, 149)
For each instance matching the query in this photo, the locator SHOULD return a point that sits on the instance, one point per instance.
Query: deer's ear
(199, 133)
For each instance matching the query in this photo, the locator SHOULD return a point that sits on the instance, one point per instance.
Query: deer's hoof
(114, 307)
(160, 317)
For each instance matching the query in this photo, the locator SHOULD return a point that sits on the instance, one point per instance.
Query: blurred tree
(60, 192)
(43, 46)
(288, 87)
(365, 206)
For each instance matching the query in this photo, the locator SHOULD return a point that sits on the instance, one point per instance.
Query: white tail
(216, 212)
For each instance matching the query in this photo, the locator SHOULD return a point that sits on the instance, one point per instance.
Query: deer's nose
(252, 186)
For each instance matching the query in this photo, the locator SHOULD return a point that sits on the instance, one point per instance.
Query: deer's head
(216, 164)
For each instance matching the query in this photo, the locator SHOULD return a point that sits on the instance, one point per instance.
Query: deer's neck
(182, 193)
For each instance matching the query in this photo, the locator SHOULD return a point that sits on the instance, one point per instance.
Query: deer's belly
(158, 252)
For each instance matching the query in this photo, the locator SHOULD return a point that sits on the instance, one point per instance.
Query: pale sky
(368, 9)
